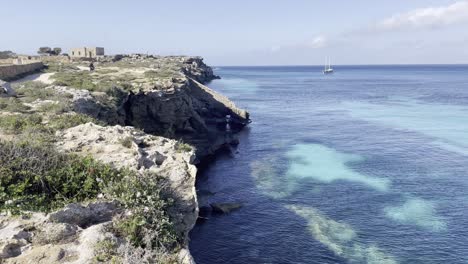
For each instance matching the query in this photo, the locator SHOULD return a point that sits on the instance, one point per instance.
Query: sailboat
(328, 69)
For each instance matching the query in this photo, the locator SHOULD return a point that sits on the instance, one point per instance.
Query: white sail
(328, 69)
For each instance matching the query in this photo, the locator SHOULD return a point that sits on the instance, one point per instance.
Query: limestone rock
(55, 233)
(145, 153)
(85, 216)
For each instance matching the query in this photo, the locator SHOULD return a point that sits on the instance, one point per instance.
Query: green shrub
(38, 178)
(183, 147)
(149, 225)
(18, 123)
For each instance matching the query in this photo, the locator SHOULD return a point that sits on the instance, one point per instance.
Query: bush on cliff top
(36, 177)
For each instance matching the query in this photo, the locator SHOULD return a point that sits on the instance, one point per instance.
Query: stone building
(86, 52)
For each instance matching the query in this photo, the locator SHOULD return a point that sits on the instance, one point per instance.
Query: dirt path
(37, 77)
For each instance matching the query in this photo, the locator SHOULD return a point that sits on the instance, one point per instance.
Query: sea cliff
(147, 118)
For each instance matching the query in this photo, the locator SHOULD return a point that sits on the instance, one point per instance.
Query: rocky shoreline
(164, 125)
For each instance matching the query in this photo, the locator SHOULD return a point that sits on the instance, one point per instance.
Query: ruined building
(86, 52)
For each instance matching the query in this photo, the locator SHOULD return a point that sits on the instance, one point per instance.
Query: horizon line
(338, 65)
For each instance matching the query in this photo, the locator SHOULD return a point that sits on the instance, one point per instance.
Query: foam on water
(447, 124)
(341, 238)
(416, 211)
(327, 165)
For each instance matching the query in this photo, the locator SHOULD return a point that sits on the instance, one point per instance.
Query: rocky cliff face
(193, 113)
(179, 107)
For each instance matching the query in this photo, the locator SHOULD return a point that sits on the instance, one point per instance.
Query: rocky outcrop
(127, 147)
(193, 112)
(195, 68)
(43, 239)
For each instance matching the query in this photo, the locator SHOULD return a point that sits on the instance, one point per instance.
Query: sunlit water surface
(369, 165)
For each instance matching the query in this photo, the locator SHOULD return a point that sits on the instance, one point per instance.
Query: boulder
(55, 233)
(225, 208)
(84, 216)
(6, 90)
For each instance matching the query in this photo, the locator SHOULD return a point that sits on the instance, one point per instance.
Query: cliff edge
(98, 167)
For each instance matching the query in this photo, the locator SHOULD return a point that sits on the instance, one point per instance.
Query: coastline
(158, 120)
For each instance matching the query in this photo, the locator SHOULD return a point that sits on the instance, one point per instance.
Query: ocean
(368, 165)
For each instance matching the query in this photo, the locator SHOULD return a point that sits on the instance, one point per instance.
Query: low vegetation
(183, 147)
(60, 67)
(36, 177)
(92, 81)
(127, 142)
(13, 104)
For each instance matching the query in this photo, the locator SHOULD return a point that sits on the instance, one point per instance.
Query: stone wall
(10, 72)
(56, 59)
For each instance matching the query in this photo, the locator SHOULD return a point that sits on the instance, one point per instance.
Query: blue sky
(241, 32)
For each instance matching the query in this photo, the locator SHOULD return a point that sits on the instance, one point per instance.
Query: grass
(106, 251)
(31, 91)
(93, 81)
(183, 147)
(19, 123)
(54, 107)
(79, 80)
(16, 124)
(106, 71)
(127, 142)
(13, 105)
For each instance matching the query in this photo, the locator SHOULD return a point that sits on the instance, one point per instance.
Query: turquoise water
(369, 165)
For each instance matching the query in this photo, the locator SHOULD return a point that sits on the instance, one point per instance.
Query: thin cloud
(318, 42)
(431, 17)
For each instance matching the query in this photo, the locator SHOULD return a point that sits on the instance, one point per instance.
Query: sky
(241, 32)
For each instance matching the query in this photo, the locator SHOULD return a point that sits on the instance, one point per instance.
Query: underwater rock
(225, 208)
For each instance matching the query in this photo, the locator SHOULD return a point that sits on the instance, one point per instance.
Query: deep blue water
(368, 165)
